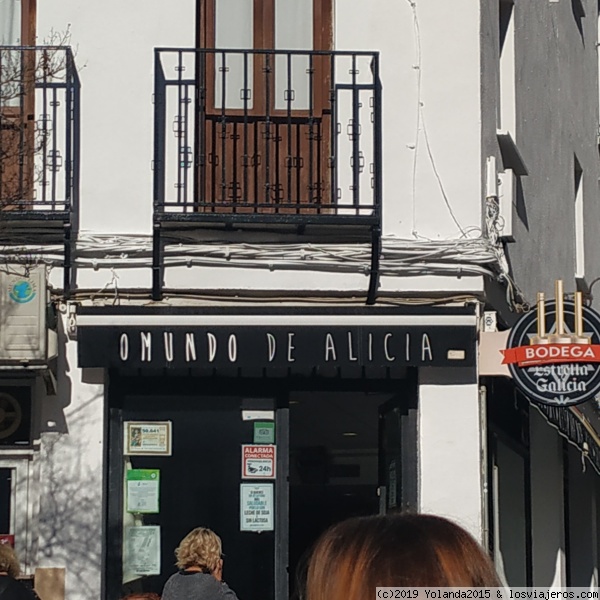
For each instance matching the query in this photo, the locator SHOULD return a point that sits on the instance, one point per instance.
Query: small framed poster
(148, 438)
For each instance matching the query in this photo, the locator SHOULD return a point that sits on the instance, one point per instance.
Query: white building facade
(282, 223)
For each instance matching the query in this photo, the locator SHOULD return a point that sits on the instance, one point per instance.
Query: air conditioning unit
(23, 329)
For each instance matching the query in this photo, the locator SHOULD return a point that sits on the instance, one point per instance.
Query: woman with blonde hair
(200, 563)
(10, 588)
(358, 555)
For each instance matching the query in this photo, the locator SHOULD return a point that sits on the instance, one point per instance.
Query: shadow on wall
(70, 533)
(70, 513)
(53, 407)
(521, 207)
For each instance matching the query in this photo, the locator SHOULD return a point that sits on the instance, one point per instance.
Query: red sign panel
(258, 461)
(546, 354)
(7, 539)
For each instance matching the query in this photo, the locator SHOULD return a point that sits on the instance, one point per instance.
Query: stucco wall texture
(556, 71)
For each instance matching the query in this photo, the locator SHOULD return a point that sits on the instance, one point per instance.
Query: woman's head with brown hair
(199, 548)
(9, 563)
(354, 557)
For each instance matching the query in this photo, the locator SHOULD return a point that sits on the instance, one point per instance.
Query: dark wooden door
(265, 119)
(17, 90)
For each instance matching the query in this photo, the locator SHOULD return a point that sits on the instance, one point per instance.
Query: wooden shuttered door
(264, 136)
(17, 90)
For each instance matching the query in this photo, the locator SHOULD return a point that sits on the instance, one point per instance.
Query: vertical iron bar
(374, 270)
(22, 125)
(282, 499)
(199, 196)
(69, 132)
(74, 200)
(277, 168)
(311, 131)
(355, 140)
(179, 127)
(159, 171)
(290, 160)
(160, 126)
(267, 127)
(246, 160)
(234, 165)
(334, 133)
(299, 159)
(223, 131)
(44, 134)
(255, 160)
(53, 176)
(213, 165)
(156, 263)
(318, 182)
(67, 261)
(185, 163)
(377, 134)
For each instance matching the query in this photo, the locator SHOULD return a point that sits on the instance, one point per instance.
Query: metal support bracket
(157, 270)
(374, 271)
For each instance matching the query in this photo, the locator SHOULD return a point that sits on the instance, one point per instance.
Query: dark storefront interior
(338, 455)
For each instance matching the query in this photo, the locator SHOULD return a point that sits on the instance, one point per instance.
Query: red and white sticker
(258, 461)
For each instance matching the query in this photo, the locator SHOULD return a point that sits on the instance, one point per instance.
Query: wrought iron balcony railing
(267, 136)
(39, 133)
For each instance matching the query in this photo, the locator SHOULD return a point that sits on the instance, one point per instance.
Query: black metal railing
(39, 132)
(267, 135)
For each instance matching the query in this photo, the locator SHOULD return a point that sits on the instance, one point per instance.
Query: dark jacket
(187, 585)
(11, 589)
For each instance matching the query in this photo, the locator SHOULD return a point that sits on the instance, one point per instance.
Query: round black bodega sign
(560, 368)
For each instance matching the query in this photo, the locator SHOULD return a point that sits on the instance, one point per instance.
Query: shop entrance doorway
(346, 460)
(338, 453)
(198, 484)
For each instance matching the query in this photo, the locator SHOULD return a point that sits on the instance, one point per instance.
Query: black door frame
(406, 399)
(121, 385)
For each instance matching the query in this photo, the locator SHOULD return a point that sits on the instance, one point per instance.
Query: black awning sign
(265, 346)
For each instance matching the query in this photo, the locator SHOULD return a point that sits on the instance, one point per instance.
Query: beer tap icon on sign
(559, 336)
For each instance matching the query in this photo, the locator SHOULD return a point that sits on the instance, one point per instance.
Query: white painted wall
(70, 500)
(449, 448)
(431, 128)
(431, 94)
(547, 508)
(114, 43)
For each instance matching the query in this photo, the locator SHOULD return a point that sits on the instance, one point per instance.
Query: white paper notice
(256, 507)
(142, 550)
(142, 494)
(258, 415)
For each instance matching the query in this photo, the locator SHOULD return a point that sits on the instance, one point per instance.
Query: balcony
(39, 145)
(270, 140)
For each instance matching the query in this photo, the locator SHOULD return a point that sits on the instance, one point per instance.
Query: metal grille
(39, 130)
(263, 135)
